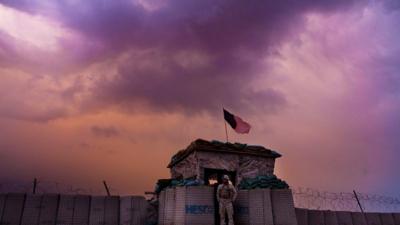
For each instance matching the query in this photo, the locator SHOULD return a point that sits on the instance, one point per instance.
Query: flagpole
(226, 132)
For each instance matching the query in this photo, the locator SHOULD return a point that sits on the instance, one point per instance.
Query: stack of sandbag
(164, 183)
(185, 182)
(271, 182)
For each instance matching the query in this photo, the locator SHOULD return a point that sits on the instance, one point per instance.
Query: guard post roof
(223, 148)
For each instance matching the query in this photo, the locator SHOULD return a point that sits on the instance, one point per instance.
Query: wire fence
(344, 201)
(308, 198)
(45, 187)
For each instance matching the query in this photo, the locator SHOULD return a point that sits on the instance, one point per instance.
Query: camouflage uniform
(226, 194)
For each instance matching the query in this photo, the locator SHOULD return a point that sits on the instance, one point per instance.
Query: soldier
(226, 195)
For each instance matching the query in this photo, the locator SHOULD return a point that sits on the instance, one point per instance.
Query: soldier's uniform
(226, 194)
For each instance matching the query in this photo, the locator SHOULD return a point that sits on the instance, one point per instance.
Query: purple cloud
(232, 37)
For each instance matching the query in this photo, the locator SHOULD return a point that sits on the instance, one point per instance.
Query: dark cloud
(106, 132)
(232, 36)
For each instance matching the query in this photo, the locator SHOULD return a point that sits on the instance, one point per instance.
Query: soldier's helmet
(225, 177)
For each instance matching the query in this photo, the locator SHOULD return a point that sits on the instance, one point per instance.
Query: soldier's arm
(234, 193)
(218, 191)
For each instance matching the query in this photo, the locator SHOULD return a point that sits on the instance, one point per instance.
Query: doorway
(213, 177)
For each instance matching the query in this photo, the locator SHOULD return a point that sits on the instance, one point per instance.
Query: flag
(236, 123)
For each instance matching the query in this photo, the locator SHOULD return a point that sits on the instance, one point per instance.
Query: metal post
(226, 132)
(34, 186)
(358, 201)
(106, 187)
(359, 205)
(226, 129)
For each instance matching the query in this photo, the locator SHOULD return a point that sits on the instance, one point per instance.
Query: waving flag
(236, 123)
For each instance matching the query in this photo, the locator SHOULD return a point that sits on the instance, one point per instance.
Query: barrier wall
(358, 218)
(104, 210)
(302, 216)
(31, 212)
(260, 207)
(396, 217)
(180, 203)
(169, 215)
(133, 210)
(97, 210)
(187, 205)
(283, 207)
(2, 202)
(140, 208)
(53, 209)
(48, 209)
(178, 206)
(256, 202)
(373, 218)
(199, 205)
(195, 206)
(111, 210)
(12, 211)
(344, 218)
(65, 210)
(386, 218)
(81, 210)
(316, 217)
(313, 217)
(330, 218)
(161, 208)
(241, 208)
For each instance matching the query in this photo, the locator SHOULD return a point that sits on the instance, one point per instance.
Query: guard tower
(207, 161)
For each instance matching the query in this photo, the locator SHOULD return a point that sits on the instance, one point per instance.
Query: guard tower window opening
(213, 179)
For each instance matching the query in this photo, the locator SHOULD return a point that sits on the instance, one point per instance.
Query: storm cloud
(191, 56)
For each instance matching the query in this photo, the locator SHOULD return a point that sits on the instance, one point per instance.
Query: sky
(110, 90)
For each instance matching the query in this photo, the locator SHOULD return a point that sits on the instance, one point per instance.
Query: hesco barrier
(180, 203)
(283, 207)
(186, 205)
(111, 210)
(387, 219)
(316, 217)
(198, 205)
(330, 218)
(195, 206)
(344, 218)
(373, 219)
(312, 217)
(241, 208)
(169, 215)
(31, 212)
(260, 207)
(358, 218)
(13, 208)
(2, 202)
(48, 209)
(65, 210)
(133, 210)
(81, 210)
(166, 207)
(178, 206)
(302, 216)
(396, 217)
(97, 210)
(161, 208)
(53, 209)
